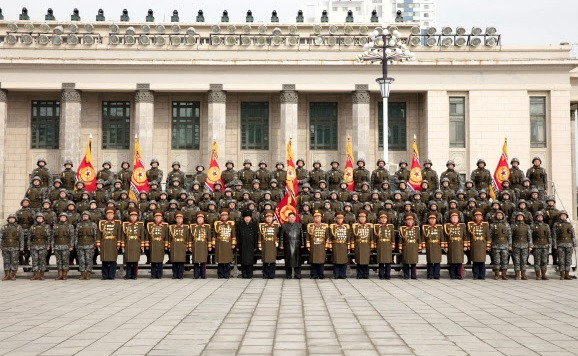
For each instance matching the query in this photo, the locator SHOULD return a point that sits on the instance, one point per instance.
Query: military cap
(522, 201)
(200, 213)
(427, 161)
(472, 200)
(478, 212)
(158, 213)
(495, 202)
(231, 162)
(255, 181)
(534, 190)
(383, 213)
(176, 179)
(247, 161)
(505, 192)
(173, 201)
(262, 162)
(300, 160)
(499, 212)
(317, 213)
(176, 163)
(132, 212)
(563, 212)
(106, 162)
(109, 210)
(68, 162)
(70, 202)
(360, 160)
(306, 185)
(195, 182)
(224, 211)
(211, 202)
(316, 162)
(365, 183)
(339, 213)
(92, 202)
(36, 178)
(123, 162)
(77, 182)
(550, 198)
(40, 160)
(46, 201)
(388, 201)
(179, 213)
(322, 181)
(515, 160)
(306, 204)
(450, 162)
(539, 212)
(380, 160)
(86, 212)
(406, 203)
(334, 161)
(454, 213)
(163, 193)
(100, 181)
(273, 181)
(154, 160)
(408, 216)
(190, 197)
(432, 214)
(38, 215)
(362, 213)
(480, 161)
(482, 191)
(57, 180)
(63, 214)
(403, 161)
(519, 213)
(536, 158)
(444, 179)
(269, 213)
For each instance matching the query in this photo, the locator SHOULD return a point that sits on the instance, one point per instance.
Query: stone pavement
(288, 317)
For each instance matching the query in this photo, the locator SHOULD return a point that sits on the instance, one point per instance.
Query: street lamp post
(385, 48)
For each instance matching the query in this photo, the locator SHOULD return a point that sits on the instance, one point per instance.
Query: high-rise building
(421, 11)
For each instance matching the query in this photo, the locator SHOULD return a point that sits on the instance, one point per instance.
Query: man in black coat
(291, 240)
(248, 239)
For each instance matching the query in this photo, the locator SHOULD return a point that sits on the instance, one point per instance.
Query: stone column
(288, 122)
(217, 124)
(144, 120)
(71, 108)
(3, 120)
(360, 116)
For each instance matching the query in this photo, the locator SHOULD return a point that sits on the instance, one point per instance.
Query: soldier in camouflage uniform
(564, 241)
(279, 175)
(42, 172)
(64, 240)
(154, 173)
(40, 242)
(538, 176)
(516, 174)
(125, 175)
(316, 175)
(334, 175)
(430, 175)
(246, 175)
(361, 174)
(451, 174)
(11, 243)
(68, 176)
(402, 174)
(263, 175)
(379, 175)
(302, 173)
(501, 240)
(229, 174)
(175, 173)
(85, 241)
(106, 175)
(36, 193)
(522, 245)
(481, 176)
(25, 218)
(542, 239)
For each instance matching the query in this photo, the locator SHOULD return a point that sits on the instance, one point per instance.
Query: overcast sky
(520, 22)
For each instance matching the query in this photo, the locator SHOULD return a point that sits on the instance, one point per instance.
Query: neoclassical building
(253, 86)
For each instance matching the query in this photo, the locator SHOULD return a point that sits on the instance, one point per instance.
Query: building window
(425, 14)
(426, 23)
(358, 9)
(457, 121)
(538, 121)
(344, 9)
(255, 125)
(334, 8)
(186, 127)
(323, 126)
(426, 7)
(45, 124)
(396, 122)
(116, 125)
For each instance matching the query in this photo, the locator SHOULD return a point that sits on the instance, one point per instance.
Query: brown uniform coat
(363, 237)
(268, 241)
(202, 235)
(385, 238)
(133, 236)
(456, 237)
(341, 242)
(108, 239)
(224, 240)
(478, 240)
(318, 242)
(434, 240)
(158, 240)
(410, 239)
(180, 240)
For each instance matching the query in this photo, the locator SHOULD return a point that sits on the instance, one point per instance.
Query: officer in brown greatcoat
(268, 243)
(108, 240)
(317, 244)
(434, 241)
(364, 243)
(479, 243)
(410, 241)
(133, 233)
(201, 244)
(457, 244)
(224, 240)
(180, 241)
(156, 243)
(384, 236)
(341, 244)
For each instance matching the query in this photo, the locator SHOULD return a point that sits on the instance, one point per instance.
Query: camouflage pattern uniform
(521, 241)
(11, 241)
(86, 239)
(64, 239)
(542, 239)
(40, 241)
(564, 240)
(501, 240)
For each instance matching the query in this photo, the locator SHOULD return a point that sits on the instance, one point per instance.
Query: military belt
(133, 237)
(179, 240)
(437, 241)
(157, 239)
(110, 237)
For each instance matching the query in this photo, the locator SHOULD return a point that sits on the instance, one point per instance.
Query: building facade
(254, 86)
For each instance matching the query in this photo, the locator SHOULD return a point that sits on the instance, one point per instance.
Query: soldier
(447, 193)
(276, 192)
(248, 239)
(458, 243)
(291, 240)
(180, 242)
(481, 176)
(36, 193)
(301, 173)
(379, 175)
(479, 243)
(11, 243)
(25, 218)
(516, 174)
(42, 171)
(410, 243)
(402, 174)
(156, 243)
(175, 189)
(54, 191)
(343, 194)
(384, 235)
(538, 176)
(385, 191)
(433, 242)
(201, 235)
(279, 175)
(225, 241)
(154, 192)
(564, 241)
(501, 241)
(316, 175)
(229, 174)
(133, 239)
(430, 175)
(334, 175)
(542, 239)
(268, 243)
(341, 243)
(48, 212)
(363, 242)
(100, 195)
(64, 240)
(551, 216)
(200, 175)
(317, 244)
(108, 240)
(522, 244)
(470, 191)
(175, 173)
(263, 175)
(154, 173)
(246, 175)
(106, 175)
(360, 173)
(535, 204)
(452, 175)
(40, 242)
(85, 241)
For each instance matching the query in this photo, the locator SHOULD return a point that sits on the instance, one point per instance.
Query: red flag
(501, 173)
(85, 171)
(415, 177)
(288, 203)
(214, 174)
(138, 181)
(348, 172)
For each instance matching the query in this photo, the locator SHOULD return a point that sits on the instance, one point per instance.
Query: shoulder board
(470, 223)
(261, 224)
(232, 223)
(149, 224)
(118, 221)
(354, 225)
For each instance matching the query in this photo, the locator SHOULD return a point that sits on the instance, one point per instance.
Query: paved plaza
(288, 317)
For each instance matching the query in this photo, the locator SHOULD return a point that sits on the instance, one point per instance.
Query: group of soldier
(383, 221)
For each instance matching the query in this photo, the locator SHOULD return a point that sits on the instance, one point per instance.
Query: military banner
(288, 203)
(138, 181)
(348, 172)
(85, 171)
(214, 174)
(501, 173)
(415, 177)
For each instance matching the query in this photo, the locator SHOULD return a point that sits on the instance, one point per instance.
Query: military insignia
(503, 174)
(284, 212)
(139, 175)
(291, 174)
(415, 177)
(87, 175)
(348, 175)
(214, 174)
